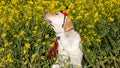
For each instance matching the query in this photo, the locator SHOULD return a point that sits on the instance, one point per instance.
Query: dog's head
(59, 22)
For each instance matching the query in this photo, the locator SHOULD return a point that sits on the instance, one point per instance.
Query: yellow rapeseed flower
(73, 11)
(14, 1)
(94, 34)
(34, 32)
(67, 64)
(43, 57)
(30, 2)
(96, 15)
(9, 59)
(39, 7)
(2, 2)
(16, 36)
(10, 18)
(3, 35)
(78, 66)
(96, 19)
(52, 45)
(3, 59)
(1, 21)
(88, 51)
(105, 57)
(23, 59)
(8, 55)
(36, 44)
(22, 32)
(47, 36)
(84, 30)
(90, 26)
(98, 40)
(6, 44)
(1, 64)
(27, 45)
(52, 6)
(36, 27)
(87, 15)
(6, 26)
(71, 6)
(27, 38)
(80, 30)
(82, 42)
(63, 49)
(38, 40)
(24, 51)
(10, 43)
(54, 58)
(44, 43)
(2, 49)
(25, 62)
(111, 19)
(27, 24)
(33, 57)
(82, 12)
(79, 17)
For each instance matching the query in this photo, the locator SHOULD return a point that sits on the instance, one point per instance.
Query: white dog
(69, 47)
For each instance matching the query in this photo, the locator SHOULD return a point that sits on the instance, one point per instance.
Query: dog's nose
(48, 14)
(45, 14)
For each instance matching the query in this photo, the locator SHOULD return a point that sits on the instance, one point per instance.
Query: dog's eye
(56, 14)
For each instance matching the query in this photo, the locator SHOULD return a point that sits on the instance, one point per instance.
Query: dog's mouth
(48, 21)
(46, 18)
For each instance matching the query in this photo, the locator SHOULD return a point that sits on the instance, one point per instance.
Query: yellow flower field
(25, 37)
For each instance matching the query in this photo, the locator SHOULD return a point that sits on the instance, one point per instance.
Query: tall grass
(25, 37)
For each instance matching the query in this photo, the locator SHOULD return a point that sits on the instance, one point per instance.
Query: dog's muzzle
(46, 15)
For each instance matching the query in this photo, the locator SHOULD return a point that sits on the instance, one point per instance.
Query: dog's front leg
(56, 64)
(76, 58)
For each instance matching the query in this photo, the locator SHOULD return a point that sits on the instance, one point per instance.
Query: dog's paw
(55, 66)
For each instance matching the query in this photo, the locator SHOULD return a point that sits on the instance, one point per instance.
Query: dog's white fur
(69, 47)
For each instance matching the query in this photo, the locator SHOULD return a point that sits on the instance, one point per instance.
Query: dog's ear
(68, 25)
